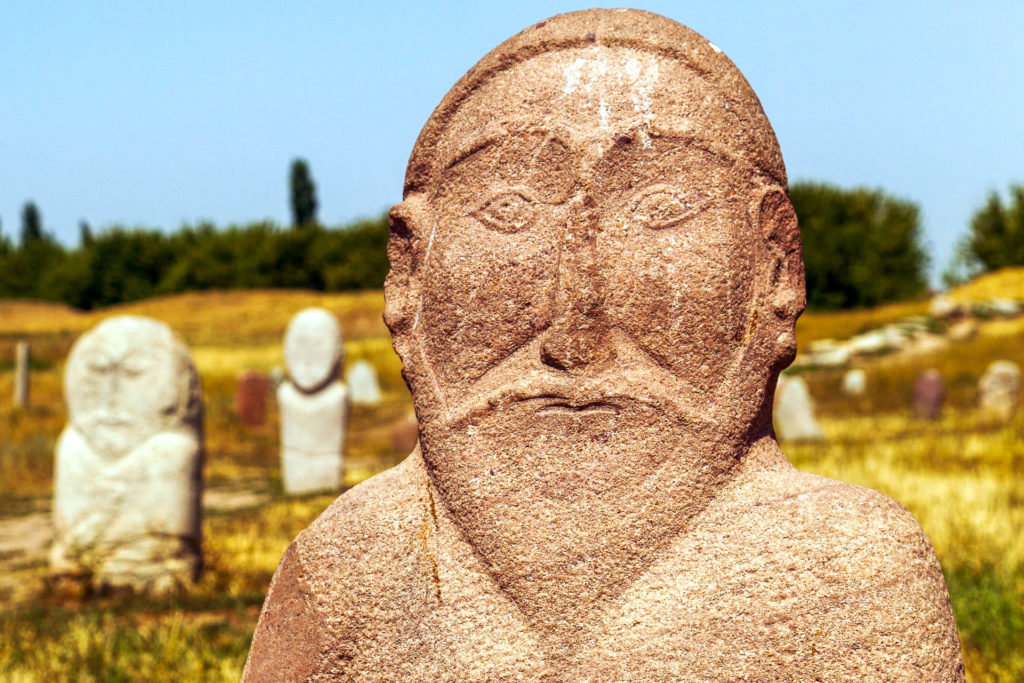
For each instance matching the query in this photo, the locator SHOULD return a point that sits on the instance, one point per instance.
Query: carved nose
(577, 336)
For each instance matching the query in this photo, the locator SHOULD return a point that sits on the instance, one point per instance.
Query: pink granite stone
(595, 276)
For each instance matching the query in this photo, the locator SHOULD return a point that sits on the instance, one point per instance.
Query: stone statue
(362, 383)
(794, 411)
(313, 404)
(128, 476)
(999, 389)
(595, 276)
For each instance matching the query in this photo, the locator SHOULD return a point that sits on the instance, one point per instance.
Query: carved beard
(568, 490)
(113, 436)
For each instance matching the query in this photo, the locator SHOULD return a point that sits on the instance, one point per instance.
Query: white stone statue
(794, 411)
(999, 389)
(128, 477)
(313, 404)
(855, 382)
(362, 383)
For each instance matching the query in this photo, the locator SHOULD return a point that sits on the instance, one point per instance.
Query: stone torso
(134, 521)
(785, 576)
(312, 436)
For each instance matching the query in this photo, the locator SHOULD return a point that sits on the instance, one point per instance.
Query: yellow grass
(845, 324)
(960, 477)
(1007, 283)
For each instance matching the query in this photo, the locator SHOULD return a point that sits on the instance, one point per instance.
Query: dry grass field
(961, 477)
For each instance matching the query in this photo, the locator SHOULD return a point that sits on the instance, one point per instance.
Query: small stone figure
(855, 382)
(929, 395)
(595, 277)
(794, 411)
(128, 478)
(999, 389)
(313, 404)
(361, 379)
(251, 398)
(22, 375)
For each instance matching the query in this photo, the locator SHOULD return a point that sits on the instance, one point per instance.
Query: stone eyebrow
(475, 145)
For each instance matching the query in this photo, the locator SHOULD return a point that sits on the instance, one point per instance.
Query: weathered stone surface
(855, 382)
(929, 395)
(999, 389)
(128, 484)
(251, 398)
(794, 411)
(595, 276)
(22, 374)
(361, 379)
(313, 404)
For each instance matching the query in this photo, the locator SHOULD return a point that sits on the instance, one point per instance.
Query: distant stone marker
(794, 411)
(128, 481)
(595, 279)
(999, 389)
(22, 375)
(362, 383)
(251, 398)
(313, 404)
(929, 395)
(855, 382)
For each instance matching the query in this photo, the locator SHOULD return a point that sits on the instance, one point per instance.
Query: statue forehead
(117, 338)
(601, 72)
(583, 94)
(314, 322)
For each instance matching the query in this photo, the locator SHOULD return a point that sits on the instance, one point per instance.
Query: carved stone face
(126, 380)
(312, 348)
(603, 283)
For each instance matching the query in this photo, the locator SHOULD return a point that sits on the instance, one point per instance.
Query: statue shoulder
(341, 576)
(861, 562)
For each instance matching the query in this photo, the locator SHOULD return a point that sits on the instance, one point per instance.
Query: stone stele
(855, 382)
(251, 398)
(794, 411)
(595, 275)
(313, 404)
(929, 395)
(999, 389)
(128, 478)
(22, 374)
(362, 383)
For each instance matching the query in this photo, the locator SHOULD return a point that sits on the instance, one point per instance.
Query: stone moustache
(595, 276)
(128, 475)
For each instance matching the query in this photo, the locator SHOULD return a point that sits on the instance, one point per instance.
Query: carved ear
(786, 291)
(400, 287)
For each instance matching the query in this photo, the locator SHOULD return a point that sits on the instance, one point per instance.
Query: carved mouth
(560, 405)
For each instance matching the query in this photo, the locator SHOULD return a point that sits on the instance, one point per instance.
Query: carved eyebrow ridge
(474, 146)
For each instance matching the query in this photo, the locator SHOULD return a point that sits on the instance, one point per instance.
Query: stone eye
(508, 212)
(661, 208)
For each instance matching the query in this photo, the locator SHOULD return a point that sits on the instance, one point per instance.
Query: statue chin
(523, 474)
(110, 439)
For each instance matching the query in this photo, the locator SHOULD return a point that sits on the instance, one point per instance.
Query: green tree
(303, 194)
(994, 240)
(84, 233)
(861, 247)
(31, 223)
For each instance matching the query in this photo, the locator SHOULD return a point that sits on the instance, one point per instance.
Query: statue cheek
(484, 295)
(682, 299)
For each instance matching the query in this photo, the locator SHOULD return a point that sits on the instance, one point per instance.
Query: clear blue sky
(155, 114)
